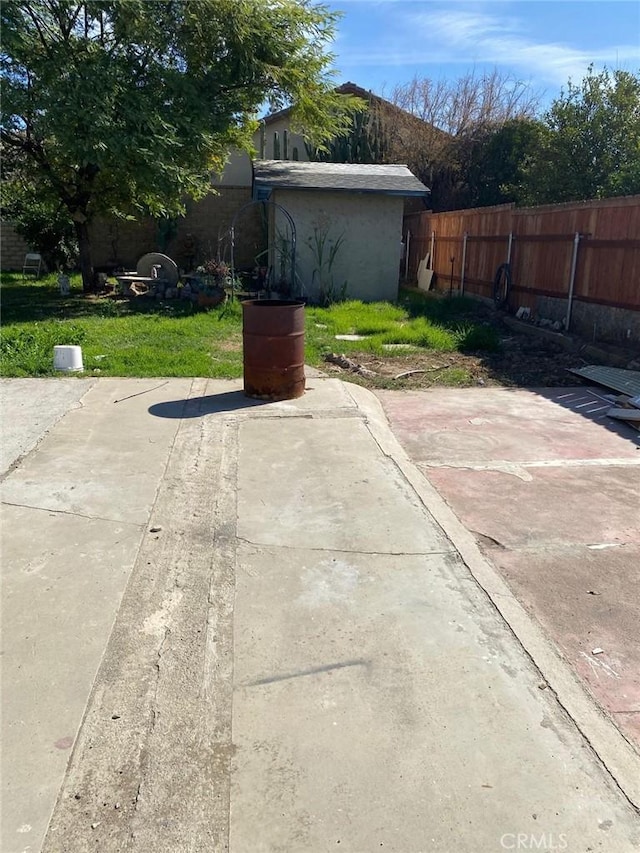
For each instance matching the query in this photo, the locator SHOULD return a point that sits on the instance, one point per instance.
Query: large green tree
(590, 147)
(497, 163)
(126, 106)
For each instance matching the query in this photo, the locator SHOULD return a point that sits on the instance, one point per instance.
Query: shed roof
(340, 177)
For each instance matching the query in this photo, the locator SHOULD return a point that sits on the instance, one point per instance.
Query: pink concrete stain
(585, 600)
(441, 426)
(557, 506)
(544, 525)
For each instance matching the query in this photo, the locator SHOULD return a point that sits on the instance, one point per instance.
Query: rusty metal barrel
(273, 348)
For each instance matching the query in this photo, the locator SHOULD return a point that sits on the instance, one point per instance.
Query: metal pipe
(572, 279)
(432, 249)
(509, 247)
(406, 255)
(464, 259)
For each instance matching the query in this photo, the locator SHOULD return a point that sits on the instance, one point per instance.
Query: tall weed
(28, 350)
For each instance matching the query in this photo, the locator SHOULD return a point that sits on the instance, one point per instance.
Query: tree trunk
(86, 264)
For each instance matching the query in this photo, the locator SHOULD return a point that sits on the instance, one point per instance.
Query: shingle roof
(350, 88)
(342, 177)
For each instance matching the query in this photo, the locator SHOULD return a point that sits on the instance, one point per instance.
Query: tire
(502, 286)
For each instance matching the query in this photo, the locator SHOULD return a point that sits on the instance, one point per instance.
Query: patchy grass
(122, 337)
(119, 337)
(419, 321)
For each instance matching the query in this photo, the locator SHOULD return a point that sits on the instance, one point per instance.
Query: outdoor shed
(348, 221)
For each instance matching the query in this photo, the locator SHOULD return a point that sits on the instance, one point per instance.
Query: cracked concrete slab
(548, 486)
(59, 600)
(149, 768)
(326, 485)
(546, 513)
(30, 407)
(67, 553)
(599, 580)
(246, 629)
(379, 704)
(481, 426)
(102, 460)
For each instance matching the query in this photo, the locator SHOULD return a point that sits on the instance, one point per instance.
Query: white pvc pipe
(572, 279)
(509, 247)
(432, 248)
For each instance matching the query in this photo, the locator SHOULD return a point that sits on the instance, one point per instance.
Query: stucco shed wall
(369, 257)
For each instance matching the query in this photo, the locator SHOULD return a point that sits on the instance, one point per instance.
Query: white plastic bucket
(67, 358)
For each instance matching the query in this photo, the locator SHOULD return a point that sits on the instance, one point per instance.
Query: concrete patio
(255, 627)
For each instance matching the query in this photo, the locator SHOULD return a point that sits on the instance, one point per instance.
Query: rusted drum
(273, 348)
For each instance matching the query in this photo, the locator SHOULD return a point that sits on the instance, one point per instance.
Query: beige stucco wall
(238, 171)
(295, 141)
(371, 225)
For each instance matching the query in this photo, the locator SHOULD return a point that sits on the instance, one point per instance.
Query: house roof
(336, 177)
(350, 88)
(344, 89)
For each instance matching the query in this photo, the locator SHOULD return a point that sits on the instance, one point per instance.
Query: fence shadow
(592, 404)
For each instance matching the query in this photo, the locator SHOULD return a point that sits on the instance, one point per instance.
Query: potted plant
(215, 277)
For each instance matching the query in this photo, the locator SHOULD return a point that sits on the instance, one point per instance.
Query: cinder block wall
(207, 222)
(594, 322)
(116, 242)
(12, 248)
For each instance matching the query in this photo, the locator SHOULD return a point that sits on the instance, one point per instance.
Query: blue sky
(381, 43)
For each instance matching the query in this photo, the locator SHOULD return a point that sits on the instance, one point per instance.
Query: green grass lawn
(122, 337)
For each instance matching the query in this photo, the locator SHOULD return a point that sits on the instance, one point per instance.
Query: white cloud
(462, 36)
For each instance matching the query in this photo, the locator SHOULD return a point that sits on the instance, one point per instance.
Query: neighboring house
(348, 221)
(204, 231)
(384, 134)
(275, 140)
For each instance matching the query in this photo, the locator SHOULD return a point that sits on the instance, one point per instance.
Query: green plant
(215, 277)
(471, 337)
(28, 351)
(324, 253)
(284, 258)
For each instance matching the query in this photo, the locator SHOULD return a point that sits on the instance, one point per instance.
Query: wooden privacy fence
(585, 252)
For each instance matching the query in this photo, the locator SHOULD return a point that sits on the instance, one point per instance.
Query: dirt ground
(525, 359)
